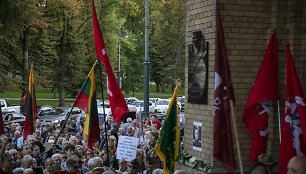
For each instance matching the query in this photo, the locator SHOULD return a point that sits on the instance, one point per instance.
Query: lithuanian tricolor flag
(86, 101)
(31, 107)
(168, 142)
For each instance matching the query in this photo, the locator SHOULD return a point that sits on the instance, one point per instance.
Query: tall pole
(119, 78)
(146, 64)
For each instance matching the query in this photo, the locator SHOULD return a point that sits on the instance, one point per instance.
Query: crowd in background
(49, 151)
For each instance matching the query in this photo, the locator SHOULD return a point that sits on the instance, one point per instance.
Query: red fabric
(1, 123)
(116, 100)
(294, 115)
(28, 126)
(157, 122)
(81, 101)
(256, 110)
(223, 145)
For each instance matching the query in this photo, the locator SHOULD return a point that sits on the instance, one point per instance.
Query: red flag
(294, 117)
(116, 100)
(1, 123)
(257, 109)
(31, 108)
(223, 145)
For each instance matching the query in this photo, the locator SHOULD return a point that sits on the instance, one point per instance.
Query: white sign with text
(127, 148)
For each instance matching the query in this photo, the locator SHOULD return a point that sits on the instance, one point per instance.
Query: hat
(98, 169)
(266, 159)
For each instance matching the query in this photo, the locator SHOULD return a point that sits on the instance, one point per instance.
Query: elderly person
(73, 140)
(58, 160)
(18, 170)
(95, 162)
(74, 165)
(28, 162)
(50, 166)
(131, 131)
(297, 165)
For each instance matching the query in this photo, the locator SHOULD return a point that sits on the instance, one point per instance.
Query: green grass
(47, 94)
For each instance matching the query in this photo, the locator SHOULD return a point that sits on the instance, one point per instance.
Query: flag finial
(178, 82)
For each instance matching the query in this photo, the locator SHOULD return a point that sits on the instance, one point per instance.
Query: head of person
(130, 131)
(13, 153)
(37, 149)
(17, 134)
(7, 163)
(122, 165)
(50, 165)
(58, 161)
(69, 149)
(114, 127)
(95, 162)
(153, 117)
(64, 156)
(74, 165)
(65, 143)
(297, 165)
(18, 170)
(30, 139)
(79, 149)
(27, 162)
(85, 162)
(37, 124)
(111, 141)
(129, 120)
(153, 164)
(121, 131)
(73, 140)
(26, 150)
(89, 153)
(158, 171)
(259, 168)
(180, 172)
(67, 135)
(133, 167)
(134, 123)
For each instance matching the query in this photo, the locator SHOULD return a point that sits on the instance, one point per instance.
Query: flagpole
(105, 120)
(62, 128)
(279, 124)
(236, 135)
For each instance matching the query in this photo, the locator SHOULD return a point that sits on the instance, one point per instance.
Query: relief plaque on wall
(197, 69)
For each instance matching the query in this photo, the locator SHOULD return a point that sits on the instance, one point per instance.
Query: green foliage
(61, 44)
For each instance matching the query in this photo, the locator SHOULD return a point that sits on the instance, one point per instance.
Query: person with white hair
(158, 171)
(17, 134)
(126, 125)
(95, 162)
(73, 140)
(58, 161)
(27, 162)
(18, 170)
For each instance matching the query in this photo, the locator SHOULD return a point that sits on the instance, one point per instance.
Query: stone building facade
(247, 26)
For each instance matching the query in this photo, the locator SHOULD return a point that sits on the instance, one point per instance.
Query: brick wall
(247, 25)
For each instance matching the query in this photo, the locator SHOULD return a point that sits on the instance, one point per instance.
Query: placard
(197, 136)
(127, 148)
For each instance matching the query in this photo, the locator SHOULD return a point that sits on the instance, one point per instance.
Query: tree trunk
(163, 87)
(157, 87)
(25, 62)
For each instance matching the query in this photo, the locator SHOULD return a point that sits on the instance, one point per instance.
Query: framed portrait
(197, 136)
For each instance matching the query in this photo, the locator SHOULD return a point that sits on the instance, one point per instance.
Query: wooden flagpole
(279, 123)
(236, 135)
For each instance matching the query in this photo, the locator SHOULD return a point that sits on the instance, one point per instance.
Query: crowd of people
(50, 150)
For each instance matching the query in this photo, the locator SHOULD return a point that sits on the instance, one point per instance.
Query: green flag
(168, 142)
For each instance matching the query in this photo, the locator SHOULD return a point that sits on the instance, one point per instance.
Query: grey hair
(108, 172)
(55, 155)
(11, 151)
(18, 170)
(92, 161)
(129, 120)
(158, 171)
(72, 137)
(25, 160)
(180, 172)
